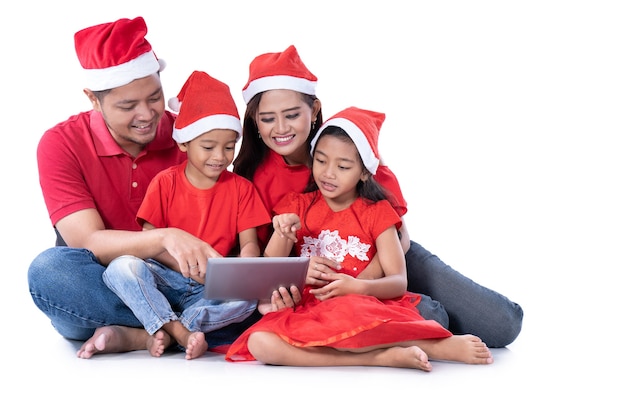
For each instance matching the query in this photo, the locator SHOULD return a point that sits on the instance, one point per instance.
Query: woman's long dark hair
(253, 151)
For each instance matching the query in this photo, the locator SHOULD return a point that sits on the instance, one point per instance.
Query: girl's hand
(338, 284)
(318, 269)
(286, 225)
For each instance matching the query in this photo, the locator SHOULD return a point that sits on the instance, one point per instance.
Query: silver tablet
(234, 278)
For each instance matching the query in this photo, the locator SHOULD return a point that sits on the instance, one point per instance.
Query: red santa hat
(363, 127)
(114, 54)
(204, 104)
(279, 70)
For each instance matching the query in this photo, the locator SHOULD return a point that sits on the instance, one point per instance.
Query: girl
(349, 320)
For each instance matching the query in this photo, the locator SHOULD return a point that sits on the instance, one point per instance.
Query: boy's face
(132, 112)
(208, 155)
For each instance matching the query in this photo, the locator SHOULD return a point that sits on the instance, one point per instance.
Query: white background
(505, 125)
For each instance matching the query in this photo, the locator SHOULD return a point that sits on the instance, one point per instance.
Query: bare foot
(196, 345)
(459, 348)
(114, 339)
(158, 342)
(405, 357)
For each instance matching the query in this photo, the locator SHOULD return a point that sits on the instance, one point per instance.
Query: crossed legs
(271, 349)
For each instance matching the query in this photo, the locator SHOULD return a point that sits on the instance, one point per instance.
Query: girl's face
(284, 122)
(208, 156)
(337, 169)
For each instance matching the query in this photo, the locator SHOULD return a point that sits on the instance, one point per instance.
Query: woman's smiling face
(284, 121)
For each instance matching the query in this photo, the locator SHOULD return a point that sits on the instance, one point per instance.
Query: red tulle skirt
(346, 322)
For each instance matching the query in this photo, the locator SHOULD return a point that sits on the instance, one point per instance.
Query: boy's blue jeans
(157, 295)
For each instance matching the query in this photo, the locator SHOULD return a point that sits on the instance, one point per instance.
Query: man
(94, 169)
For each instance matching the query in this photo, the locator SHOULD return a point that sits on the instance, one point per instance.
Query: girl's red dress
(350, 321)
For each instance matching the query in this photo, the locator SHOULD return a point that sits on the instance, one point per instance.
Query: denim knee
(433, 310)
(122, 264)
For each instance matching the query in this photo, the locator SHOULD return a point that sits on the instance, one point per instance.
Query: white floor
(541, 372)
(515, 176)
(564, 361)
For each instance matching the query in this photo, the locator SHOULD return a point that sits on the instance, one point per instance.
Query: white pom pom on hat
(174, 104)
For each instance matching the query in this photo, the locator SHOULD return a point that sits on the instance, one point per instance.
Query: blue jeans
(158, 295)
(66, 285)
(471, 308)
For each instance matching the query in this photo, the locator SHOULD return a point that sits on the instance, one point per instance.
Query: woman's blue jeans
(472, 308)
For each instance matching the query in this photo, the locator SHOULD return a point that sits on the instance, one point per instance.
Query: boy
(200, 197)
